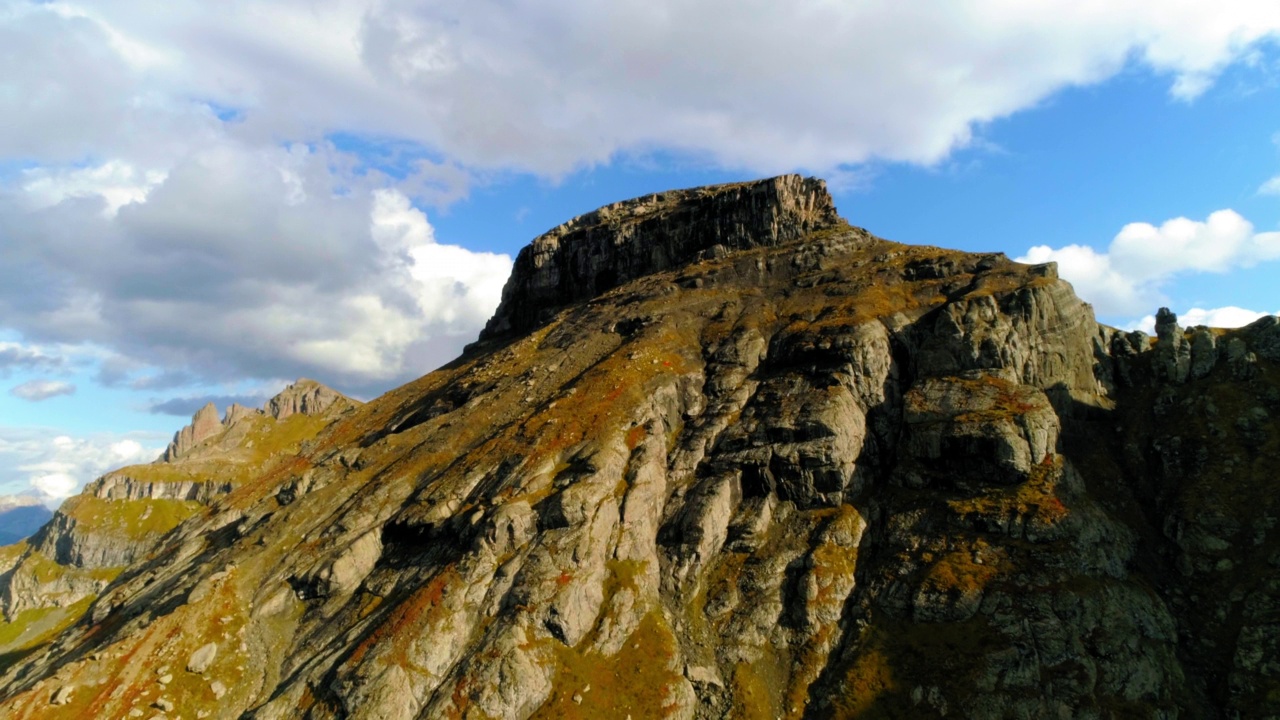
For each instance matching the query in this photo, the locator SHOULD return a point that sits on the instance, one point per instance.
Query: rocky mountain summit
(721, 455)
(306, 397)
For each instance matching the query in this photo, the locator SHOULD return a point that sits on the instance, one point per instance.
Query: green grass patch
(35, 627)
(135, 519)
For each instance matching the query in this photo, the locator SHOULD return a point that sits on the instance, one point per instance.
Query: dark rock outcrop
(601, 250)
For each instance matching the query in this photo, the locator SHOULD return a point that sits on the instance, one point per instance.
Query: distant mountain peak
(9, 502)
(304, 396)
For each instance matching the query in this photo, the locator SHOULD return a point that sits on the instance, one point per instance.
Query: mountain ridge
(50, 578)
(827, 475)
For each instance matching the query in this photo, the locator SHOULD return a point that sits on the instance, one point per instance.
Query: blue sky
(195, 206)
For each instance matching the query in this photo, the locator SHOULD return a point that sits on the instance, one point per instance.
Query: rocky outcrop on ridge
(306, 397)
(598, 251)
(831, 476)
(120, 518)
(204, 425)
(303, 397)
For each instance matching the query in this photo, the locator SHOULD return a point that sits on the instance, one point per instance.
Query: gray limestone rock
(1204, 352)
(306, 397)
(1172, 351)
(62, 695)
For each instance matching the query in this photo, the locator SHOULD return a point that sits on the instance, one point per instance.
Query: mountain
(50, 579)
(20, 516)
(720, 454)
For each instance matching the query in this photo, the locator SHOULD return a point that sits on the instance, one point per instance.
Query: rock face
(204, 425)
(819, 475)
(601, 250)
(306, 397)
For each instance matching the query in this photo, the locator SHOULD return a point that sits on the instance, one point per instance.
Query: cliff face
(601, 250)
(780, 468)
(204, 425)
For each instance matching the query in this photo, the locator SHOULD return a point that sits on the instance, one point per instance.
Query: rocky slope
(122, 517)
(720, 455)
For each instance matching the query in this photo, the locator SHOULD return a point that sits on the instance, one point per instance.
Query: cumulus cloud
(183, 204)
(547, 87)
(37, 390)
(1223, 317)
(1128, 277)
(115, 182)
(56, 465)
(254, 261)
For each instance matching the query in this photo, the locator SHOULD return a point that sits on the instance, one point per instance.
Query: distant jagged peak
(598, 251)
(204, 425)
(237, 412)
(307, 397)
(302, 397)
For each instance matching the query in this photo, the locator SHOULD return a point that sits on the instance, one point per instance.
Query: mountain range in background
(20, 516)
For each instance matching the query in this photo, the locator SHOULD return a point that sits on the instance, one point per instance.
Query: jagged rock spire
(304, 396)
(204, 425)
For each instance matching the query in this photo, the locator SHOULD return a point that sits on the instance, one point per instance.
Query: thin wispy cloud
(38, 390)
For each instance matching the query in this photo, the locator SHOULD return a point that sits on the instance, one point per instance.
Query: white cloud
(219, 271)
(150, 226)
(1129, 276)
(37, 390)
(17, 356)
(117, 183)
(1223, 317)
(1270, 187)
(57, 465)
(126, 449)
(548, 87)
(55, 485)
